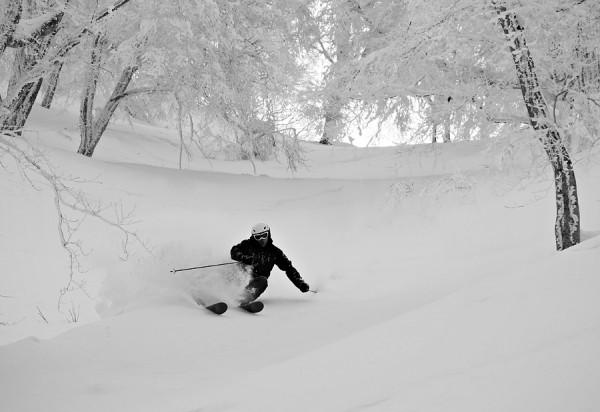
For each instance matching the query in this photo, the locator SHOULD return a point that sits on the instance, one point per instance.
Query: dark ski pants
(255, 288)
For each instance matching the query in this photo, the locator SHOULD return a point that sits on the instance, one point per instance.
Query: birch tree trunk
(568, 225)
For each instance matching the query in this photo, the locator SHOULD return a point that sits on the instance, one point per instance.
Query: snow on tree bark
(52, 84)
(8, 22)
(86, 107)
(333, 102)
(19, 101)
(333, 120)
(94, 129)
(567, 226)
(33, 45)
(32, 49)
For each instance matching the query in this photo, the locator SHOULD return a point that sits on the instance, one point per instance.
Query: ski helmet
(260, 228)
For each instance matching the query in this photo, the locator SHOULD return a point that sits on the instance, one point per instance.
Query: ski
(218, 308)
(252, 307)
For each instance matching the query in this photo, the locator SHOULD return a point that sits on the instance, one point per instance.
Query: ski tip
(252, 307)
(218, 308)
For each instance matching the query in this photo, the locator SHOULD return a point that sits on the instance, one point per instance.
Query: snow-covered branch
(140, 91)
(27, 30)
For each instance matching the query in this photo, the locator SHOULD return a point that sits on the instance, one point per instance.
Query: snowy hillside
(438, 285)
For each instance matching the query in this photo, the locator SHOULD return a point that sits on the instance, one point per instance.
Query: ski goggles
(263, 235)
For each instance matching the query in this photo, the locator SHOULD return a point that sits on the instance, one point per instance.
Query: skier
(261, 254)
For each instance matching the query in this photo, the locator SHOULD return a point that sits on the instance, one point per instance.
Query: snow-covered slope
(438, 285)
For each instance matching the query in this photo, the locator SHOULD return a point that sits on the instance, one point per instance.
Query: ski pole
(202, 267)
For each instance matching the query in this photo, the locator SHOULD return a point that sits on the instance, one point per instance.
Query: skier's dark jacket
(262, 260)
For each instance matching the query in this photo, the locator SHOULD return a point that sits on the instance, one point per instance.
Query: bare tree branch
(67, 201)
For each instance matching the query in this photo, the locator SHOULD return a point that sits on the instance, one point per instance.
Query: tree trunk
(447, 138)
(568, 225)
(21, 98)
(21, 95)
(101, 123)
(8, 22)
(334, 103)
(20, 107)
(333, 117)
(115, 98)
(439, 116)
(17, 106)
(86, 106)
(433, 118)
(52, 84)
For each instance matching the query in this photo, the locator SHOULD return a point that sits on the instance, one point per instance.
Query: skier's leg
(254, 289)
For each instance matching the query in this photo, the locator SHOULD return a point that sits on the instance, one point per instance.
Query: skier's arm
(285, 264)
(242, 254)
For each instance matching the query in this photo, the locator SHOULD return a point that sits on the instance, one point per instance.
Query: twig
(74, 313)
(41, 314)
(66, 197)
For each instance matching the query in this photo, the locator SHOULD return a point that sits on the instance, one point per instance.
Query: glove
(304, 287)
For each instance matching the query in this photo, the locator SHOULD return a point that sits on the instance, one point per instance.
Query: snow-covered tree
(344, 32)
(29, 28)
(36, 24)
(568, 225)
(238, 75)
(232, 65)
(8, 22)
(224, 69)
(491, 66)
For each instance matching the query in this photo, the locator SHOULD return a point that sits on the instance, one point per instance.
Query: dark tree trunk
(52, 84)
(86, 106)
(21, 96)
(18, 104)
(96, 128)
(8, 22)
(118, 93)
(20, 107)
(20, 100)
(568, 224)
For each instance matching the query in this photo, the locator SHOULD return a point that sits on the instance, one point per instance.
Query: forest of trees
(247, 78)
